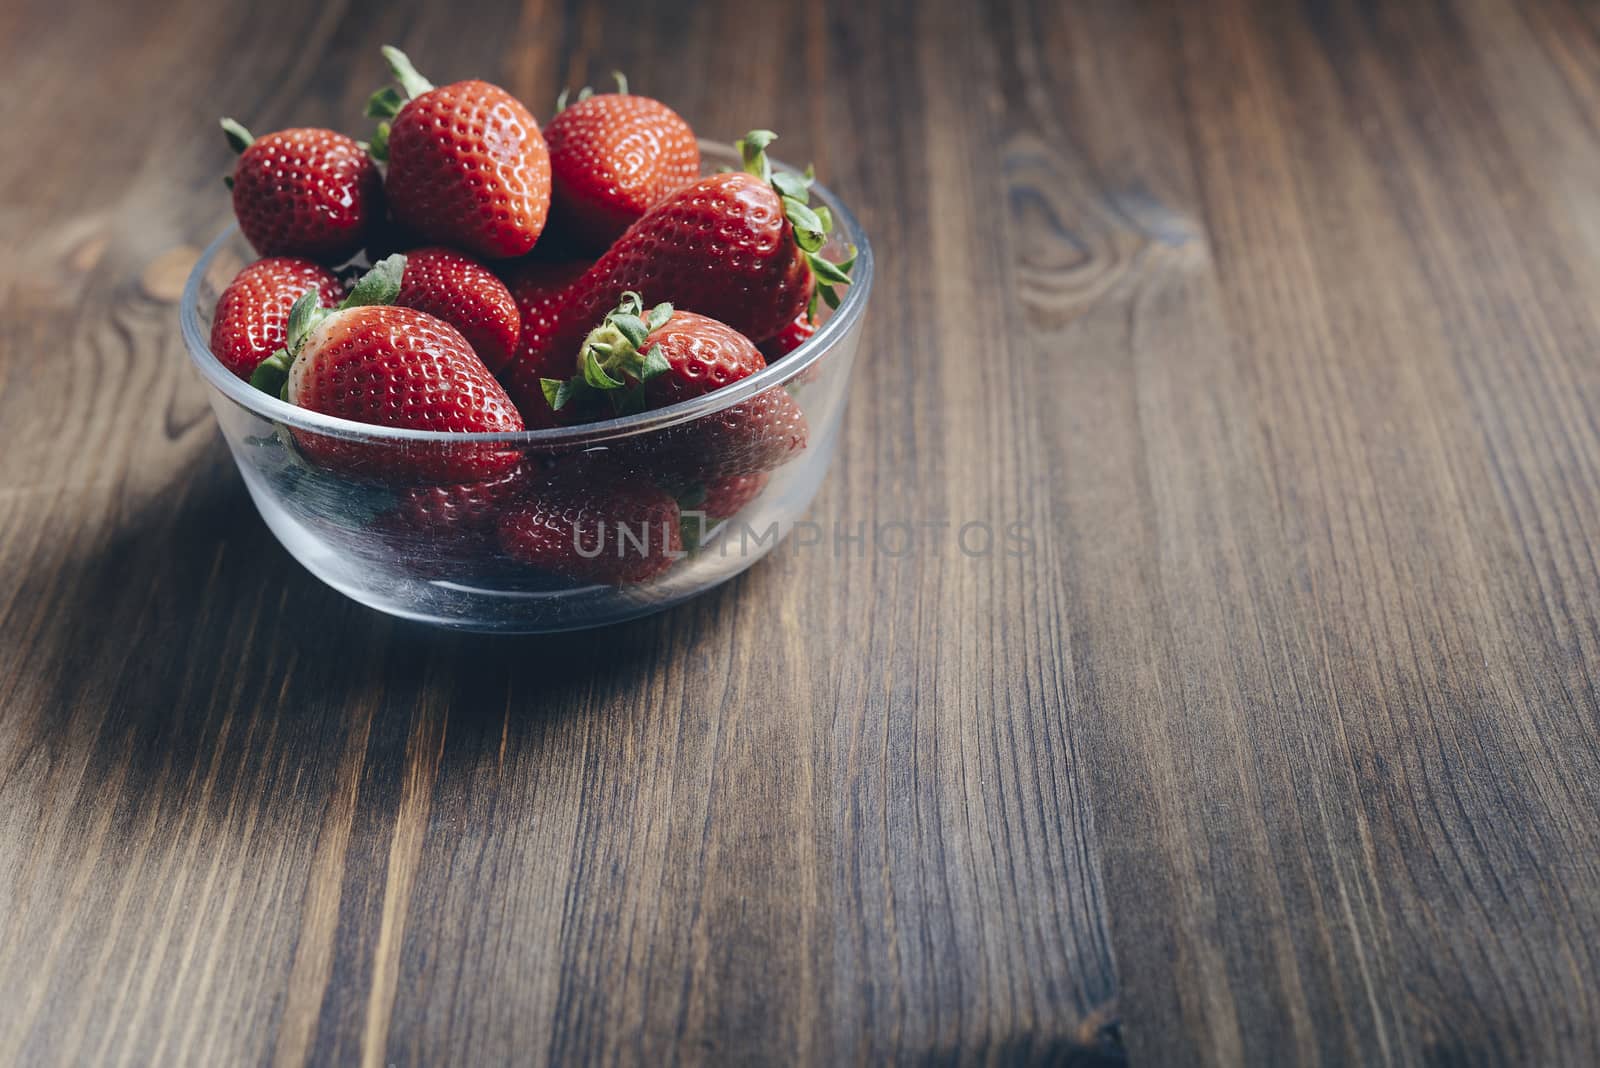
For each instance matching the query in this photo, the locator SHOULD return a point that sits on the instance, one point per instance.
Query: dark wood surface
(1275, 322)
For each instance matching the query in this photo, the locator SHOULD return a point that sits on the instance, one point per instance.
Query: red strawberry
(304, 192)
(467, 164)
(464, 293)
(740, 248)
(613, 157)
(461, 512)
(593, 526)
(790, 337)
(727, 496)
(396, 367)
(755, 435)
(537, 288)
(671, 356)
(253, 312)
(705, 505)
(640, 363)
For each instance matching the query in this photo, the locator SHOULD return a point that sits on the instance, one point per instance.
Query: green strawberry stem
(611, 356)
(811, 226)
(380, 285)
(386, 103)
(585, 93)
(413, 83)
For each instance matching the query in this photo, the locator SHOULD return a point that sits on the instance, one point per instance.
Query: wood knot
(164, 276)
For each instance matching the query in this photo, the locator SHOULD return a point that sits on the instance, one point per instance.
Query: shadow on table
(185, 638)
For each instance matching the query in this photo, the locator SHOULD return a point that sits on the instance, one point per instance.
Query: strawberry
(537, 288)
(462, 512)
(652, 362)
(613, 157)
(791, 337)
(742, 248)
(727, 496)
(253, 312)
(398, 367)
(304, 192)
(595, 526)
(704, 505)
(755, 435)
(455, 287)
(467, 164)
(639, 363)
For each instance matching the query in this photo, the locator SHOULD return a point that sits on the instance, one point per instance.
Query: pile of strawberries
(465, 271)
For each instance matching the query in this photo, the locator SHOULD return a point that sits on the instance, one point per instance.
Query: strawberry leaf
(271, 375)
(809, 233)
(381, 285)
(631, 326)
(238, 137)
(790, 184)
(655, 363)
(827, 273)
(659, 315)
(385, 103)
(559, 394)
(594, 374)
(302, 316)
(378, 147)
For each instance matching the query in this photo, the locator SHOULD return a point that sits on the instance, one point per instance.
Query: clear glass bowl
(363, 535)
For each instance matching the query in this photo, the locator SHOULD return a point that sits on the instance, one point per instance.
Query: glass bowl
(421, 547)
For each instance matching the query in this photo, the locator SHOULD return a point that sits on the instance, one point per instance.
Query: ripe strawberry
(455, 287)
(727, 496)
(755, 435)
(396, 367)
(304, 192)
(253, 312)
(704, 505)
(791, 337)
(743, 249)
(595, 526)
(537, 288)
(467, 164)
(642, 363)
(464, 513)
(613, 157)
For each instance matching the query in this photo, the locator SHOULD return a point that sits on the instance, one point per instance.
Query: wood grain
(1272, 325)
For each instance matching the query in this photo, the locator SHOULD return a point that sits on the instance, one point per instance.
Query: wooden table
(1274, 324)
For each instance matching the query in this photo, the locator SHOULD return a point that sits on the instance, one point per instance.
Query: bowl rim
(272, 409)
